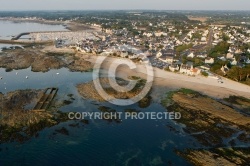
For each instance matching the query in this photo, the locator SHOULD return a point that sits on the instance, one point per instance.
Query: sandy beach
(165, 81)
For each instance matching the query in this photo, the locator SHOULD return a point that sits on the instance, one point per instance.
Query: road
(210, 38)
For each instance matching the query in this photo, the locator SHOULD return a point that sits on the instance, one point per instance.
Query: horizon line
(126, 10)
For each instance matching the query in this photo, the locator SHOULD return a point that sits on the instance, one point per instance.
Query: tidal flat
(223, 132)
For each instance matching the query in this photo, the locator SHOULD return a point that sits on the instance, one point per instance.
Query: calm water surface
(97, 143)
(9, 29)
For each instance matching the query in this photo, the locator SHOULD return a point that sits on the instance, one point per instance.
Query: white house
(150, 45)
(133, 56)
(158, 34)
(215, 42)
(216, 37)
(202, 56)
(209, 60)
(174, 68)
(124, 54)
(167, 59)
(222, 58)
(248, 61)
(147, 34)
(186, 69)
(106, 53)
(238, 51)
(178, 42)
(231, 50)
(191, 55)
(205, 67)
(159, 54)
(234, 62)
(203, 39)
(230, 56)
(224, 69)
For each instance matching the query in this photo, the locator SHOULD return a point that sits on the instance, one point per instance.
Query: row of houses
(187, 69)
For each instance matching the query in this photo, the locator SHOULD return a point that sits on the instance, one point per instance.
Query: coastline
(18, 20)
(71, 26)
(163, 80)
(167, 81)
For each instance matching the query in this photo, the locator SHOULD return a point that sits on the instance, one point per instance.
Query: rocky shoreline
(41, 61)
(19, 122)
(218, 156)
(211, 123)
(88, 91)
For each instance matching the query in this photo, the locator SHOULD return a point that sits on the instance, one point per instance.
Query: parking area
(158, 63)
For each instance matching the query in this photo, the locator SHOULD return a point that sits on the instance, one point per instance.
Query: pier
(48, 37)
(25, 42)
(20, 35)
(45, 101)
(28, 33)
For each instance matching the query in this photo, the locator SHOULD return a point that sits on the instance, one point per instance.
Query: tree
(183, 47)
(215, 67)
(239, 74)
(229, 65)
(225, 37)
(220, 48)
(196, 35)
(204, 73)
(234, 73)
(184, 59)
(198, 61)
(244, 47)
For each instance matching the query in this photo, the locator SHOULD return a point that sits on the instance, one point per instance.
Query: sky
(7, 5)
